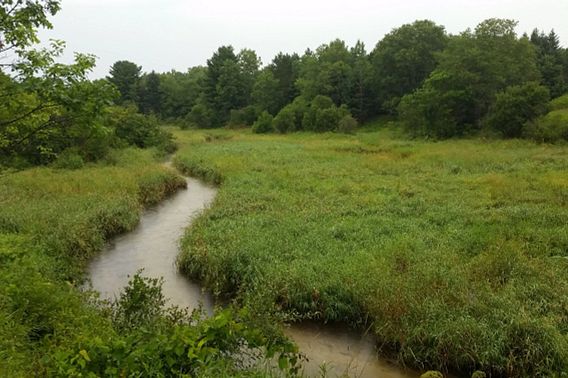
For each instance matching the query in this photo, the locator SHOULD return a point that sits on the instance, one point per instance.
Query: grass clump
(453, 252)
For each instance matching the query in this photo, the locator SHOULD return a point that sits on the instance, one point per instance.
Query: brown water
(153, 246)
(339, 352)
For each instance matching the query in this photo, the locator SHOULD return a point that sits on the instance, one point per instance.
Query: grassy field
(51, 222)
(454, 253)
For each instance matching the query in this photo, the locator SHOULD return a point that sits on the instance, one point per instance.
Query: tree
(473, 68)
(46, 106)
(516, 106)
(550, 61)
(150, 94)
(361, 100)
(125, 76)
(285, 69)
(403, 59)
(266, 92)
(180, 91)
(327, 72)
(19, 22)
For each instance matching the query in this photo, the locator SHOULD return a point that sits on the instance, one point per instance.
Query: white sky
(176, 34)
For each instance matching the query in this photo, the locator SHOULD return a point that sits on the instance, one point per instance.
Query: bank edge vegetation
(451, 252)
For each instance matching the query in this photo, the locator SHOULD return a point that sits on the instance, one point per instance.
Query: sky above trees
(176, 34)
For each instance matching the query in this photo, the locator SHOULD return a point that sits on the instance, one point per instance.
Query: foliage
(200, 116)
(516, 106)
(138, 130)
(347, 125)
(551, 128)
(243, 117)
(51, 107)
(550, 61)
(451, 253)
(285, 121)
(472, 70)
(559, 103)
(263, 124)
(404, 58)
(125, 76)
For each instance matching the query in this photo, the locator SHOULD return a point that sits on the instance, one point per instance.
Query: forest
(417, 191)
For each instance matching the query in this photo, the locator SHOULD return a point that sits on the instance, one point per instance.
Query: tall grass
(453, 252)
(51, 222)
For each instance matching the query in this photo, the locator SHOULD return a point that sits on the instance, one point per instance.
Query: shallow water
(341, 352)
(153, 246)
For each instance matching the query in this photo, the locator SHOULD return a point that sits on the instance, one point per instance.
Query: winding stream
(153, 246)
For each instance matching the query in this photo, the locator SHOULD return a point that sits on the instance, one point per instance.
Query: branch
(36, 109)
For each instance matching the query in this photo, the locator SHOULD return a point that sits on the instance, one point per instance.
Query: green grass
(51, 223)
(455, 252)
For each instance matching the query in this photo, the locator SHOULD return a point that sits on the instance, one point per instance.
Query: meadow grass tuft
(454, 253)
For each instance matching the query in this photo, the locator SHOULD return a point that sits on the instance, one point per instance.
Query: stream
(153, 246)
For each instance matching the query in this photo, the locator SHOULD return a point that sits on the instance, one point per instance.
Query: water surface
(153, 246)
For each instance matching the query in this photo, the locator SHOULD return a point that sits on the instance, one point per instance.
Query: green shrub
(347, 125)
(243, 117)
(550, 128)
(139, 130)
(200, 116)
(516, 106)
(285, 120)
(559, 103)
(69, 159)
(263, 124)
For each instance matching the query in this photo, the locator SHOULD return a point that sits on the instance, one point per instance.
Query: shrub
(69, 159)
(200, 116)
(550, 128)
(516, 106)
(243, 117)
(559, 103)
(263, 124)
(138, 129)
(347, 125)
(285, 120)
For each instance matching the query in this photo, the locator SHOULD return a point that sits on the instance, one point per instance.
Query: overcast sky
(176, 34)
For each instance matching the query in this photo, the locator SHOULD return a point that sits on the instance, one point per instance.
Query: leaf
(85, 355)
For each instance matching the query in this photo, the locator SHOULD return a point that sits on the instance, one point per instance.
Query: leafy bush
(516, 106)
(559, 103)
(69, 159)
(200, 116)
(347, 125)
(550, 128)
(139, 130)
(243, 117)
(285, 120)
(263, 124)
(152, 340)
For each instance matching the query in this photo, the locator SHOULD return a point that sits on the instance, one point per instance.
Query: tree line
(440, 85)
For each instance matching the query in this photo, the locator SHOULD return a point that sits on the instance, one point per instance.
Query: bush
(516, 106)
(347, 125)
(139, 130)
(263, 124)
(550, 128)
(243, 117)
(69, 159)
(559, 103)
(285, 120)
(200, 116)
